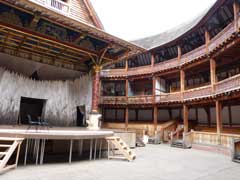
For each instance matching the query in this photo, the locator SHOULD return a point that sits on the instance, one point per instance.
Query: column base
(94, 122)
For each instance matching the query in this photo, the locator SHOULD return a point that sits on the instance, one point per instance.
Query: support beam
(179, 53)
(213, 73)
(219, 119)
(155, 117)
(152, 60)
(126, 65)
(236, 12)
(207, 40)
(95, 88)
(185, 118)
(154, 88)
(182, 81)
(126, 118)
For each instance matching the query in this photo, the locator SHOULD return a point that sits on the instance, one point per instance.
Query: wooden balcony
(108, 73)
(166, 65)
(139, 70)
(141, 99)
(113, 100)
(55, 5)
(227, 85)
(168, 97)
(192, 55)
(221, 37)
(197, 93)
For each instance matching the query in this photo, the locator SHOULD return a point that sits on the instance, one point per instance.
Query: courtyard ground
(154, 162)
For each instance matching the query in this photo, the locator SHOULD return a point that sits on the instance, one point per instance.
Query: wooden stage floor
(42, 132)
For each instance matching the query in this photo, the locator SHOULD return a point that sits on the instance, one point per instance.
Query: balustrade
(168, 97)
(196, 53)
(140, 100)
(113, 100)
(56, 5)
(198, 93)
(229, 84)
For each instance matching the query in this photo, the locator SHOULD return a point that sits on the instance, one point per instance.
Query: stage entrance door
(33, 107)
(81, 116)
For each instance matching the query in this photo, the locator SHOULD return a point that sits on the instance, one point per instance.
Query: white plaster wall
(62, 97)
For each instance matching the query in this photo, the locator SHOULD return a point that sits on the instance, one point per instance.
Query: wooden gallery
(60, 72)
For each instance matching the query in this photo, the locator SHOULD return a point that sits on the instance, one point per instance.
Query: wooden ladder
(117, 144)
(7, 148)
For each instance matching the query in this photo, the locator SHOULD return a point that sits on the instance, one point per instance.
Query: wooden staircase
(7, 148)
(119, 149)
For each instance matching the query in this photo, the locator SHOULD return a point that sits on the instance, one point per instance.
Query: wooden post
(196, 113)
(179, 53)
(207, 40)
(152, 60)
(219, 120)
(96, 88)
(185, 117)
(236, 11)
(126, 118)
(155, 117)
(213, 73)
(126, 65)
(230, 115)
(182, 81)
(126, 89)
(154, 88)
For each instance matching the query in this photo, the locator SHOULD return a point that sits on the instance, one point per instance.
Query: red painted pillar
(95, 88)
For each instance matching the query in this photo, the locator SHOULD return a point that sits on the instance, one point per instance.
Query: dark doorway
(81, 116)
(31, 106)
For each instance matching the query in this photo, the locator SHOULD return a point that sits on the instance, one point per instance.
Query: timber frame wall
(215, 93)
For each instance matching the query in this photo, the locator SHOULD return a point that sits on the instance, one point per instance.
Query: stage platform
(61, 133)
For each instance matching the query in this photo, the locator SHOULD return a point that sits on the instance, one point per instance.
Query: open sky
(134, 19)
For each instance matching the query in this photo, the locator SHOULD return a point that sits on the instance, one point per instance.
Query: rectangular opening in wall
(31, 107)
(81, 116)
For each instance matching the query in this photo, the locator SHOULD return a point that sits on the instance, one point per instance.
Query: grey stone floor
(154, 162)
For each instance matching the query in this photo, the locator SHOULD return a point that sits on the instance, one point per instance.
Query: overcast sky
(134, 19)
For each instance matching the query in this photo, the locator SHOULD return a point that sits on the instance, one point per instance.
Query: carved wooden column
(95, 88)
(126, 118)
(126, 65)
(207, 40)
(213, 73)
(152, 60)
(182, 81)
(236, 12)
(185, 117)
(219, 120)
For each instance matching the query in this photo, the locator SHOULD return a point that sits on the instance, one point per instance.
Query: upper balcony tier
(223, 38)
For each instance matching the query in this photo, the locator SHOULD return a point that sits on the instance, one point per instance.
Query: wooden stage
(43, 132)
(35, 138)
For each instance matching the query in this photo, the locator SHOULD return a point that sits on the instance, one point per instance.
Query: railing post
(236, 12)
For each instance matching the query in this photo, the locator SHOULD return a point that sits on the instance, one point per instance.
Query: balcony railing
(197, 93)
(113, 73)
(230, 84)
(113, 100)
(194, 54)
(139, 70)
(165, 65)
(140, 99)
(168, 97)
(56, 5)
(222, 36)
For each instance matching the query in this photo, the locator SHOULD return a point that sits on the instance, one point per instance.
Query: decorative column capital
(97, 68)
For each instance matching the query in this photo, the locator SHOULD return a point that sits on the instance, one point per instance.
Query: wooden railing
(139, 70)
(196, 53)
(56, 5)
(141, 99)
(168, 97)
(165, 65)
(200, 92)
(232, 83)
(222, 36)
(206, 138)
(113, 100)
(113, 73)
